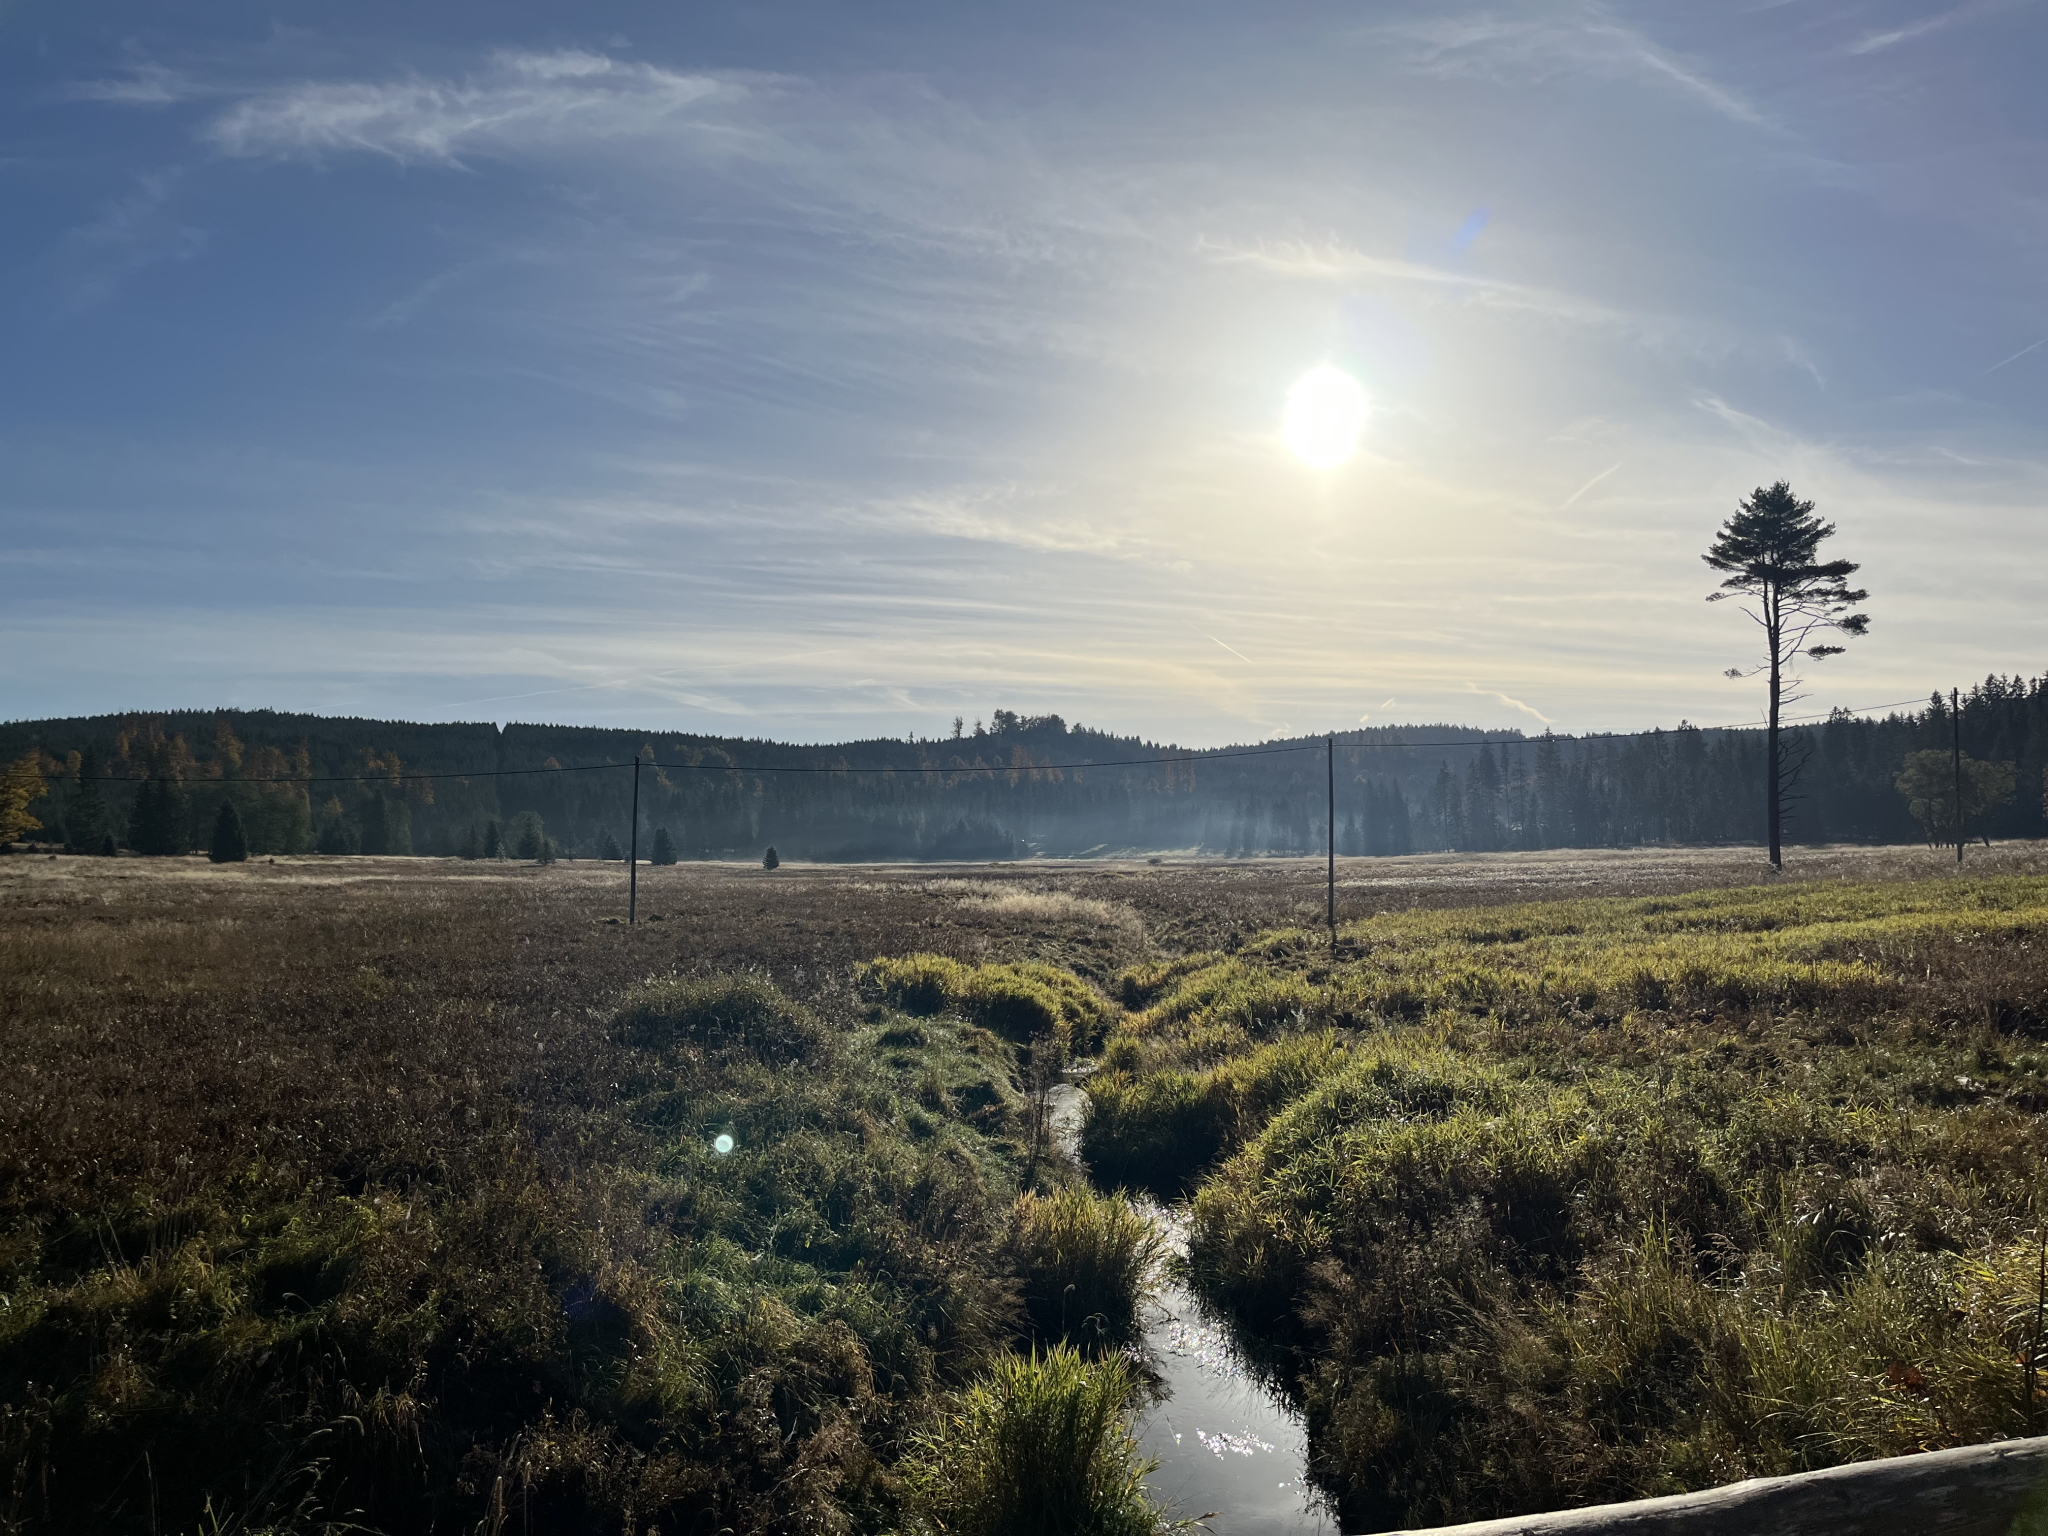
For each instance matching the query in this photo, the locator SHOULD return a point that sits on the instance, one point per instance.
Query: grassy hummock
(1602, 1199)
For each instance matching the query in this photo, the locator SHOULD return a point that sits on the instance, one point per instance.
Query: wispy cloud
(1575, 495)
(2023, 351)
(516, 102)
(1877, 42)
(1583, 39)
(1512, 703)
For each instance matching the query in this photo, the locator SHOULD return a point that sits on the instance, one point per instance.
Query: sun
(1325, 413)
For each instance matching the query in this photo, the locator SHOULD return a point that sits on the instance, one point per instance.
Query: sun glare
(1325, 414)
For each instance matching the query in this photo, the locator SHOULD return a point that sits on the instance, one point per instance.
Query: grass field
(389, 1192)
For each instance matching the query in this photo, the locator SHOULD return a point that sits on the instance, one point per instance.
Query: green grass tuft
(1087, 1262)
(1041, 1446)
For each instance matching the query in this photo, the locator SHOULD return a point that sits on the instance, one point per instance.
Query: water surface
(1229, 1445)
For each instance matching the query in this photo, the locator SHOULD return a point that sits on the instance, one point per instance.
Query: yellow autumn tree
(21, 785)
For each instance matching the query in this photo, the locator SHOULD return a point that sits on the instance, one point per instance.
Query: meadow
(419, 1195)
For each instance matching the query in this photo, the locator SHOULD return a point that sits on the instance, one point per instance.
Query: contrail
(1240, 655)
(2023, 351)
(1575, 495)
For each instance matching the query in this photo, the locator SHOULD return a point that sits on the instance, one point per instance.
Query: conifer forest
(1013, 787)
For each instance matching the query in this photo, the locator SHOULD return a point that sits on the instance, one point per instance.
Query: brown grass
(247, 1094)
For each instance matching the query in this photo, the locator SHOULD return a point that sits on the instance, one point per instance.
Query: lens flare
(1325, 414)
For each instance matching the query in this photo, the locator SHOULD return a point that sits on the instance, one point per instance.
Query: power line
(1190, 758)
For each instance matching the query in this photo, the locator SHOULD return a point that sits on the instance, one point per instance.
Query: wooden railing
(1999, 1489)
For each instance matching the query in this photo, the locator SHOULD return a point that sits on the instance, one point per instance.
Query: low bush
(1040, 1445)
(1086, 1261)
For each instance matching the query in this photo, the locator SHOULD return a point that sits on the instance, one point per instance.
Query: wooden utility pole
(633, 849)
(1955, 721)
(1332, 828)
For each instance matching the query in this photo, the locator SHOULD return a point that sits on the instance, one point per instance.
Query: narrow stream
(1228, 1445)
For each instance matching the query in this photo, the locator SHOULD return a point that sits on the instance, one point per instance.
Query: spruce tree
(230, 842)
(85, 823)
(472, 844)
(608, 846)
(1769, 550)
(531, 842)
(494, 841)
(770, 860)
(664, 846)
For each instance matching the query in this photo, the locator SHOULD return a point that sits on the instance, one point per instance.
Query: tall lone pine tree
(1769, 551)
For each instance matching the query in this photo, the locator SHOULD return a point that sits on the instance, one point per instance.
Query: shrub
(1086, 1262)
(1038, 1446)
(723, 1014)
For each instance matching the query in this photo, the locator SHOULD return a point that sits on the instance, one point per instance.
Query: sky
(828, 371)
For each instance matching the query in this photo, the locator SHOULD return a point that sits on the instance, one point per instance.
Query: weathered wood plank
(1975, 1490)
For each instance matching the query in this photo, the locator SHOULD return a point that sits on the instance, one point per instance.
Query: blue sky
(826, 371)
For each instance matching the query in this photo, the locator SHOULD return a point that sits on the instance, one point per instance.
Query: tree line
(157, 784)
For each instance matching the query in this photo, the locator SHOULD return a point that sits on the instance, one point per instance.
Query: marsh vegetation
(1548, 1204)
(421, 1196)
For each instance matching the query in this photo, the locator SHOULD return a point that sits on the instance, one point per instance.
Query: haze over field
(813, 372)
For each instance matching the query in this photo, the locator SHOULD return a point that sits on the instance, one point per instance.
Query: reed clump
(1040, 1446)
(1086, 1262)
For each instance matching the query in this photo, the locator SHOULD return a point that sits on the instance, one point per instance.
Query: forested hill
(1019, 787)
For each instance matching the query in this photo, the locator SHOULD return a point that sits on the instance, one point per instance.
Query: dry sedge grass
(343, 1190)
